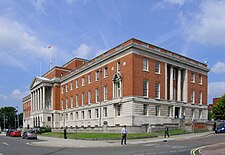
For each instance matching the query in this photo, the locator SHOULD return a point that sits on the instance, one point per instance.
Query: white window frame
(66, 88)
(193, 77)
(77, 100)
(145, 64)
(77, 115)
(105, 111)
(157, 110)
(89, 78)
(89, 97)
(97, 95)
(105, 93)
(66, 103)
(193, 97)
(82, 115)
(82, 98)
(157, 90)
(77, 84)
(62, 106)
(145, 83)
(200, 79)
(71, 85)
(105, 72)
(62, 90)
(97, 113)
(89, 114)
(118, 66)
(157, 67)
(97, 75)
(82, 81)
(71, 101)
(200, 98)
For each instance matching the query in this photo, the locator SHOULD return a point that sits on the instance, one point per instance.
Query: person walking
(124, 135)
(166, 131)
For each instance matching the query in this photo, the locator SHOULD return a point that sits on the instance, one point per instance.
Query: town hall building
(132, 84)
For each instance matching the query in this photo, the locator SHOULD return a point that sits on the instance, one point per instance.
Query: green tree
(219, 109)
(7, 117)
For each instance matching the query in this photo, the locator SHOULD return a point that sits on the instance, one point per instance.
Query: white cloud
(3, 97)
(175, 2)
(216, 89)
(38, 5)
(219, 67)
(207, 26)
(18, 46)
(167, 4)
(83, 51)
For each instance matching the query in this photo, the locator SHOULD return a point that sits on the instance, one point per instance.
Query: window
(96, 95)
(66, 103)
(96, 113)
(66, 116)
(145, 109)
(62, 90)
(82, 114)
(118, 66)
(97, 75)
(200, 79)
(77, 115)
(71, 116)
(66, 88)
(193, 97)
(157, 68)
(89, 113)
(192, 77)
(157, 90)
(117, 86)
(193, 113)
(118, 109)
(89, 97)
(71, 85)
(170, 111)
(157, 110)
(82, 99)
(200, 98)
(62, 105)
(77, 103)
(105, 93)
(145, 64)
(105, 72)
(89, 78)
(145, 88)
(82, 81)
(105, 111)
(71, 101)
(76, 83)
(200, 114)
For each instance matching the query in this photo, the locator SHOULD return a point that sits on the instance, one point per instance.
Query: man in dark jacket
(166, 131)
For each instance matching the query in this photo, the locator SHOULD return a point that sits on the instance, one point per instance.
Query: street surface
(182, 146)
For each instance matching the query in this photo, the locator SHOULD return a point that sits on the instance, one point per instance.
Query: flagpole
(50, 55)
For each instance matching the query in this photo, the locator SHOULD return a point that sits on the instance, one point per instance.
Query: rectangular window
(62, 105)
(66, 88)
(170, 111)
(97, 75)
(193, 113)
(192, 77)
(105, 72)
(77, 115)
(82, 99)
(76, 83)
(200, 113)
(71, 85)
(89, 97)
(118, 66)
(105, 111)
(89, 113)
(200, 79)
(66, 103)
(82, 114)
(200, 98)
(71, 116)
(145, 88)
(89, 78)
(71, 101)
(96, 113)
(157, 68)
(145, 64)
(82, 81)
(105, 93)
(193, 97)
(117, 108)
(96, 95)
(145, 109)
(157, 110)
(77, 103)
(157, 90)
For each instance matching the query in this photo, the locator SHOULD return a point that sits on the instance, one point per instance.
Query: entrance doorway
(177, 112)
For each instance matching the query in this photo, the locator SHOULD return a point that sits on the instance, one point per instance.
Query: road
(19, 146)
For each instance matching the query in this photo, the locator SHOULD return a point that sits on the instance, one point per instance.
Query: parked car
(29, 134)
(15, 133)
(8, 132)
(220, 128)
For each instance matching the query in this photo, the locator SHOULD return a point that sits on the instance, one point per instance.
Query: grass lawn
(95, 136)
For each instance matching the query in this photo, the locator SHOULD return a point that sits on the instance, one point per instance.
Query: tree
(7, 117)
(219, 109)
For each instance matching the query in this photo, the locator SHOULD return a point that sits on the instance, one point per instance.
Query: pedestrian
(124, 135)
(166, 131)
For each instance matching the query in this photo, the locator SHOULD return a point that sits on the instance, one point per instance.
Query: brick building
(132, 84)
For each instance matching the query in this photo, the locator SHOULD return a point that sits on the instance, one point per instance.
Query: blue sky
(86, 28)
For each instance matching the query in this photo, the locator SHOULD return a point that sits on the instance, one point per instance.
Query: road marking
(1, 153)
(195, 149)
(5, 143)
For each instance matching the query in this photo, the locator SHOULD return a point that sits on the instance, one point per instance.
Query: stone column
(185, 86)
(43, 97)
(171, 83)
(179, 85)
(166, 81)
(38, 100)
